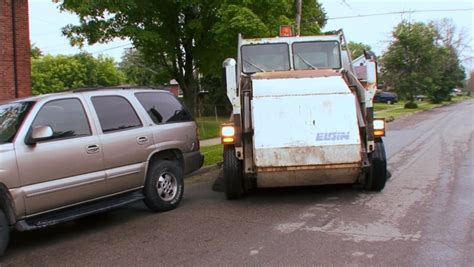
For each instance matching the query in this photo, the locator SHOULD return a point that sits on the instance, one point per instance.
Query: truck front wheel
(377, 176)
(233, 176)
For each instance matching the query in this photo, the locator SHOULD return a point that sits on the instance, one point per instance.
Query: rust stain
(310, 167)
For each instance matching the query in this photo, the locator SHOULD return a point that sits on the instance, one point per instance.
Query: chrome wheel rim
(167, 186)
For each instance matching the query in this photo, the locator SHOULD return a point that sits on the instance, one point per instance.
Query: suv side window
(115, 113)
(163, 107)
(66, 117)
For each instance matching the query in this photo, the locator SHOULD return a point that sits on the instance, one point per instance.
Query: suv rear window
(163, 107)
(115, 113)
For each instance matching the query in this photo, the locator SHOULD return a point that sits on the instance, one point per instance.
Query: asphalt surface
(425, 216)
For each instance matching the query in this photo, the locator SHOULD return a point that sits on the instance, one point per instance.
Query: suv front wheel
(4, 232)
(164, 185)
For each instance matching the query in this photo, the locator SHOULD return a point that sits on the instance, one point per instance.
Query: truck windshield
(265, 57)
(316, 55)
(11, 117)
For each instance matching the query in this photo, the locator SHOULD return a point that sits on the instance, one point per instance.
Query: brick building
(15, 65)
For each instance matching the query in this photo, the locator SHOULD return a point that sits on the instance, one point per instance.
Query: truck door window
(65, 116)
(163, 107)
(316, 55)
(115, 113)
(265, 57)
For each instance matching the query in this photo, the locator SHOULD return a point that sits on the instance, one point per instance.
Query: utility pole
(298, 16)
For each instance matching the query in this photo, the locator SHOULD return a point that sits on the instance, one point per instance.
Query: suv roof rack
(125, 87)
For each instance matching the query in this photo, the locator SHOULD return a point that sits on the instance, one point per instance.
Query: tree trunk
(298, 16)
(190, 90)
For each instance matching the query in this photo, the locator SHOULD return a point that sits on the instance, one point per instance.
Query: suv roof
(85, 90)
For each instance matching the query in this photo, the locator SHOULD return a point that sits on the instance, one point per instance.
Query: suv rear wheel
(377, 176)
(164, 185)
(233, 177)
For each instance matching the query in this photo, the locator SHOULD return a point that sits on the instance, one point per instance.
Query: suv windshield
(316, 55)
(11, 117)
(265, 57)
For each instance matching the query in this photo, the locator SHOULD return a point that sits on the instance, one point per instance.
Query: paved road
(425, 216)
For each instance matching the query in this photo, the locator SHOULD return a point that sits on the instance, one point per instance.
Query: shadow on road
(90, 225)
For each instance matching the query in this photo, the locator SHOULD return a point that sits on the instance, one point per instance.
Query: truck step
(75, 212)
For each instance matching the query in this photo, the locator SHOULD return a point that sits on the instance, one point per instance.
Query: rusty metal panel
(300, 155)
(308, 177)
(304, 121)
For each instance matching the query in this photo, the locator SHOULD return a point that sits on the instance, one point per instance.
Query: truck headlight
(379, 127)
(228, 134)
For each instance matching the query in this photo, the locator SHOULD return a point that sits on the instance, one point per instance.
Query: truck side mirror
(230, 79)
(371, 72)
(38, 134)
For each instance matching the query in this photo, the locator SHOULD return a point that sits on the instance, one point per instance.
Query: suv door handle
(92, 149)
(142, 140)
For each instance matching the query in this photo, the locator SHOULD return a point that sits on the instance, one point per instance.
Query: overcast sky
(46, 22)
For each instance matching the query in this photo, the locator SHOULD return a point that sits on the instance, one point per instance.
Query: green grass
(384, 106)
(212, 154)
(209, 127)
(396, 110)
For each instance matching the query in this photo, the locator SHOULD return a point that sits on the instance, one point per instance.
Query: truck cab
(301, 116)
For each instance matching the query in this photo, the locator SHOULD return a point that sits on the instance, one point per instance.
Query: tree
(451, 46)
(470, 83)
(35, 51)
(409, 65)
(185, 36)
(54, 73)
(357, 49)
(100, 71)
(139, 72)
(418, 62)
(450, 74)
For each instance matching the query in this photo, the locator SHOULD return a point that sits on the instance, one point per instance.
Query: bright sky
(46, 22)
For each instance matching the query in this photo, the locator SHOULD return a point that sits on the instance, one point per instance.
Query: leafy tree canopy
(140, 72)
(357, 49)
(417, 63)
(185, 35)
(35, 51)
(54, 73)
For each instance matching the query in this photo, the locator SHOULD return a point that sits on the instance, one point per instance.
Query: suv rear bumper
(192, 161)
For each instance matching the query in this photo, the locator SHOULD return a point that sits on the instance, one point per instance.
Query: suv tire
(377, 176)
(164, 185)
(4, 232)
(233, 177)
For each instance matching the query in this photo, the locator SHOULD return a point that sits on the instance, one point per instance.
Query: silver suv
(72, 154)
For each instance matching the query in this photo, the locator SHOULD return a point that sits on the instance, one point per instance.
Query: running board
(75, 212)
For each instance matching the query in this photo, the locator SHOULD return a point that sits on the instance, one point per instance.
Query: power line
(402, 12)
(112, 48)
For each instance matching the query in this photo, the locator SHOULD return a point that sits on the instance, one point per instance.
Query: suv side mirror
(38, 134)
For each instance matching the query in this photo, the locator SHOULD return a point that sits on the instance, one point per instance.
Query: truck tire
(377, 176)
(233, 177)
(164, 185)
(4, 232)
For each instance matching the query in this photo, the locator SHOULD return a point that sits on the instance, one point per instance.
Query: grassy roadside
(396, 110)
(213, 154)
(209, 127)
